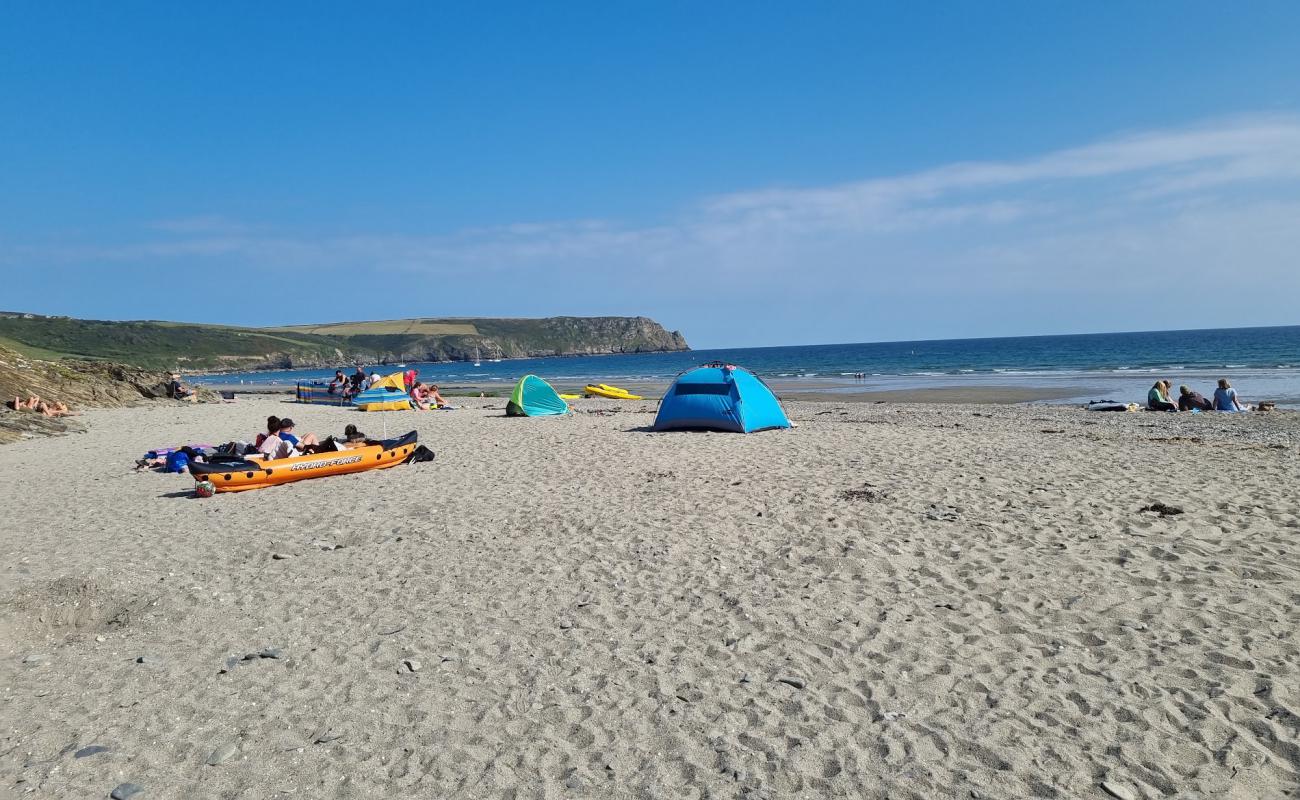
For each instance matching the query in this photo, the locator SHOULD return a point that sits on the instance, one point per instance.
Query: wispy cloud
(1165, 203)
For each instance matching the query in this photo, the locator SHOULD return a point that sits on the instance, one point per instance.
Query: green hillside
(197, 347)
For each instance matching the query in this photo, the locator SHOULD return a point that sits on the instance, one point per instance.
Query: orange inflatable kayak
(240, 474)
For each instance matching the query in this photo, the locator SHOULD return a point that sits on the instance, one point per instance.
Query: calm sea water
(1263, 363)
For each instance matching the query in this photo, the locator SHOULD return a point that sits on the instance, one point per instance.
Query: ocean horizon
(1263, 362)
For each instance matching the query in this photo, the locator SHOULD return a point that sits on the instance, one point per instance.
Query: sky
(749, 173)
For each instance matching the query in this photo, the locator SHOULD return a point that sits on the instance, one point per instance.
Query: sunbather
(43, 407)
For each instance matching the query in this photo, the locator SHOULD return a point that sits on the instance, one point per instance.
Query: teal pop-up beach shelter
(720, 397)
(534, 397)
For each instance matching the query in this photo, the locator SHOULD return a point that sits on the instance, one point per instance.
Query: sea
(1262, 363)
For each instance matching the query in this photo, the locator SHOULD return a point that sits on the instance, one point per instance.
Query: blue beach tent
(720, 397)
(534, 397)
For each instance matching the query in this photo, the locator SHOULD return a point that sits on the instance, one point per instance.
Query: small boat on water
(238, 474)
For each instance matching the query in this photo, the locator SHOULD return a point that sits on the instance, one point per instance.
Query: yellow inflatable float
(612, 392)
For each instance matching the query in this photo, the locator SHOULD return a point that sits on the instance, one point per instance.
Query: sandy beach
(888, 601)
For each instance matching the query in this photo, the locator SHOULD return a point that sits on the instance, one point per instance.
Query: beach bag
(420, 454)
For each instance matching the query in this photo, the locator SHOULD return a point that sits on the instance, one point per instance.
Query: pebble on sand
(90, 750)
(223, 753)
(792, 680)
(1118, 790)
(123, 791)
(149, 661)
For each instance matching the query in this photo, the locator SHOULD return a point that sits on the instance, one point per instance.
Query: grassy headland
(199, 347)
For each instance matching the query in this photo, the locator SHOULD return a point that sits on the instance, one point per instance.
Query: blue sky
(748, 173)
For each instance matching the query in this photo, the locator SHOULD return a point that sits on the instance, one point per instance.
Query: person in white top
(273, 448)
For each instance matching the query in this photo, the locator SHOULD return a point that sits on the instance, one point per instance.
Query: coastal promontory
(201, 347)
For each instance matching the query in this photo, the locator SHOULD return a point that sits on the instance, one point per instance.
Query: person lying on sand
(169, 462)
(42, 407)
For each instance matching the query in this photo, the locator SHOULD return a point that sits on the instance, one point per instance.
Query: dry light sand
(888, 601)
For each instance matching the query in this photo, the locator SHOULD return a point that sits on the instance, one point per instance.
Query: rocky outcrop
(80, 384)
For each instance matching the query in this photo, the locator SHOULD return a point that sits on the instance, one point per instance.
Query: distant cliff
(192, 347)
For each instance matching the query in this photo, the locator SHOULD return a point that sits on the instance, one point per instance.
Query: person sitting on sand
(286, 433)
(434, 397)
(272, 427)
(372, 380)
(1189, 400)
(274, 448)
(1225, 398)
(420, 397)
(1158, 397)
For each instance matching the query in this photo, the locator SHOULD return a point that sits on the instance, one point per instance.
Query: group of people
(46, 408)
(1225, 398)
(426, 396)
(280, 441)
(351, 386)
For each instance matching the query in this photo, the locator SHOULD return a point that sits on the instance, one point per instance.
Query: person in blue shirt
(286, 433)
(1225, 398)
